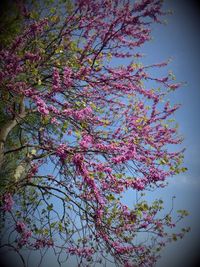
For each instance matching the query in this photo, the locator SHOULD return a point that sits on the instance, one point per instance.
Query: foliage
(83, 130)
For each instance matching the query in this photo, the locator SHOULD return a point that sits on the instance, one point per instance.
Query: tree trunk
(7, 128)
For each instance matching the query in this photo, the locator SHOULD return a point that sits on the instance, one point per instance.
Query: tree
(83, 129)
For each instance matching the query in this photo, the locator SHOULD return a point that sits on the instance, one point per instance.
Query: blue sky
(179, 39)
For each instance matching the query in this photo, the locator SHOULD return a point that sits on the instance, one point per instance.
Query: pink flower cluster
(86, 141)
(103, 168)
(67, 74)
(81, 252)
(138, 184)
(38, 27)
(53, 109)
(107, 147)
(56, 81)
(78, 160)
(7, 202)
(120, 249)
(41, 105)
(55, 121)
(33, 170)
(80, 115)
(20, 227)
(25, 234)
(41, 243)
(10, 67)
(156, 175)
(83, 113)
(61, 151)
(32, 57)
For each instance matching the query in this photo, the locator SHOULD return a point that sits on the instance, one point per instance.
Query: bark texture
(7, 128)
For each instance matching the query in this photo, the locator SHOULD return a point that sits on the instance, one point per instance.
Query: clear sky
(180, 40)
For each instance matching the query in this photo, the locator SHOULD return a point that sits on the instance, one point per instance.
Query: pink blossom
(53, 109)
(20, 227)
(41, 105)
(24, 233)
(32, 57)
(84, 252)
(61, 151)
(56, 81)
(174, 86)
(24, 238)
(41, 243)
(38, 27)
(83, 113)
(7, 202)
(55, 121)
(67, 112)
(86, 141)
(67, 74)
(33, 170)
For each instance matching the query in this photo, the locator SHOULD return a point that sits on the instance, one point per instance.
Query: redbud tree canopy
(84, 121)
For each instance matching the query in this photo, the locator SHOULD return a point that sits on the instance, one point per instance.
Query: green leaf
(50, 207)
(53, 224)
(60, 227)
(34, 15)
(110, 197)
